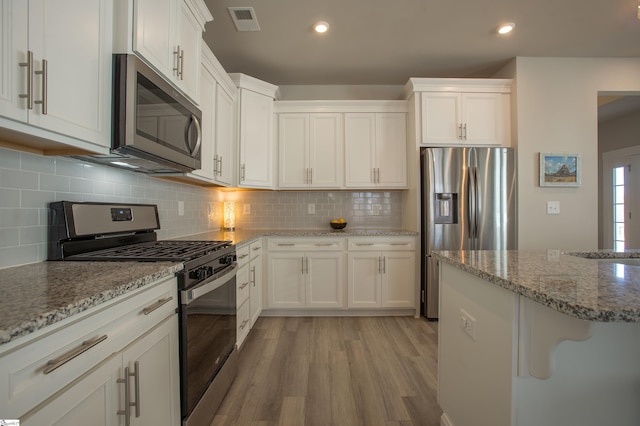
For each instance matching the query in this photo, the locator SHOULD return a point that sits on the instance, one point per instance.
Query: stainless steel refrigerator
(468, 203)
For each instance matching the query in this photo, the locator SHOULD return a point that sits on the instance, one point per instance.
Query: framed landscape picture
(559, 169)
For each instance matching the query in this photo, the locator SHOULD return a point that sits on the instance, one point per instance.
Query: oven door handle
(188, 296)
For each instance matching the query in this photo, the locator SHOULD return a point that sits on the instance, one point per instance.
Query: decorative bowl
(341, 225)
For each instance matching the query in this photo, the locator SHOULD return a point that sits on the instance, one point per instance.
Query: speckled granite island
(539, 338)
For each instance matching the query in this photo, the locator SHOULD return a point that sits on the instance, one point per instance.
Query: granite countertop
(585, 285)
(242, 236)
(40, 294)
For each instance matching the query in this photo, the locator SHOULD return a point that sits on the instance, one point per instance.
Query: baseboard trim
(338, 312)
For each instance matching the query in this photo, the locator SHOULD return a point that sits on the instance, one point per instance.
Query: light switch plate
(553, 207)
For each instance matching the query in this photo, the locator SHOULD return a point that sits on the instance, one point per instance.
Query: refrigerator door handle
(471, 192)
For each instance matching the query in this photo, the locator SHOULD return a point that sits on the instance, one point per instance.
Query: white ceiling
(385, 42)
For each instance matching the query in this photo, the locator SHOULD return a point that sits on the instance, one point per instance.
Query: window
(618, 208)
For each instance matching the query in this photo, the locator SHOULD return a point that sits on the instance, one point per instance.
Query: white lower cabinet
(100, 398)
(306, 273)
(249, 288)
(381, 273)
(71, 375)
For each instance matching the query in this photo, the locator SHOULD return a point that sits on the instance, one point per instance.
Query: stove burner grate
(154, 251)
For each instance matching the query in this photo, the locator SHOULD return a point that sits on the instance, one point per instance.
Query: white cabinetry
(168, 35)
(310, 150)
(381, 272)
(376, 150)
(249, 288)
(217, 93)
(306, 273)
(73, 373)
(256, 151)
(463, 111)
(99, 398)
(56, 71)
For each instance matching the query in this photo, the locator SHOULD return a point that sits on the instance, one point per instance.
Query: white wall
(556, 111)
(339, 92)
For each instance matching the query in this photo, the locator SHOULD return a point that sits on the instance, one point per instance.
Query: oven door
(207, 334)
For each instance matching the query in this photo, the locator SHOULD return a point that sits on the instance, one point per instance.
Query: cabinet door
(92, 400)
(286, 281)
(293, 143)
(13, 77)
(364, 280)
(76, 40)
(391, 149)
(189, 40)
(398, 279)
(156, 355)
(154, 33)
(255, 291)
(483, 118)
(441, 118)
(224, 140)
(208, 107)
(256, 135)
(325, 280)
(360, 132)
(326, 148)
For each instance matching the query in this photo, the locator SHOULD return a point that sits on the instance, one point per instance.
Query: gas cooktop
(155, 251)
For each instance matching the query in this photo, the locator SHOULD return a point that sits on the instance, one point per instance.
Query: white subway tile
(33, 235)
(37, 163)
(9, 236)
(19, 255)
(54, 183)
(9, 197)
(36, 199)
(18, 179)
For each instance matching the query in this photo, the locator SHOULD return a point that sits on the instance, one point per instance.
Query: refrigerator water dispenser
(446, 207)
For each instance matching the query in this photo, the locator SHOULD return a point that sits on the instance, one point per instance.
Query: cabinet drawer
(242, 281)
(242, 255)
(37, 369)
(243, 321)
(306, 244)
(378, 244)
(255, 249)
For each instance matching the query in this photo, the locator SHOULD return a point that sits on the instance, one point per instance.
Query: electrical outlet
(311, 208)
(376, 209)
(553, 207)
(180, 208)
(468, 324)
(246, 208)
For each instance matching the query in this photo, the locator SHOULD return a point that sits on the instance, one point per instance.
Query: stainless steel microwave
(155, 128)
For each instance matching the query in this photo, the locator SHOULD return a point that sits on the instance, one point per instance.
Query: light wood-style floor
(335, 371)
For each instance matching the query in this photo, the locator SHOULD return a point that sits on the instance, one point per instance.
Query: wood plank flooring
(335, 371)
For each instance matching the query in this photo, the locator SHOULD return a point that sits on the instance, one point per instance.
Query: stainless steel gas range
(206, 288)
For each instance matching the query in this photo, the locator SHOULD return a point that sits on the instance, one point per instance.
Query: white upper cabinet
(56, 70)
(310, 150)
(463, 111)
(217, 102)
(168, 35)
(255, 139)
(376, 150)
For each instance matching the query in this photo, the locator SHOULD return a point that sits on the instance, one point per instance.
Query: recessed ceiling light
(321, 27)
(506, 28)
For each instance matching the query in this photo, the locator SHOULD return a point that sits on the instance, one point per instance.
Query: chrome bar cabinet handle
(136, 384)
(253, 276)
(65, 358)
(29, 94)
(127, 398)
(149, 309)
(176, 54)
(45, 82)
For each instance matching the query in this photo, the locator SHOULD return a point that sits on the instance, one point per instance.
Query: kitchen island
(539, 338)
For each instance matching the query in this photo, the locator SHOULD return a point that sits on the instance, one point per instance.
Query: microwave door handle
(199, 137)
(194, 151)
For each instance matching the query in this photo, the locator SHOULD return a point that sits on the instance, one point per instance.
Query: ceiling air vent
(244, 18)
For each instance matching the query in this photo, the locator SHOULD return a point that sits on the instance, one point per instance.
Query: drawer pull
(256, 248)
(244, 324)
(399, 244)
(323, 244)
(242, 256)
(286, 244)
(156, 305)
(85, 346)
(243, 286)
(364, 244)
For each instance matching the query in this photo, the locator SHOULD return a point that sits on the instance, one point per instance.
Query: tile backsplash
(28, 182)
